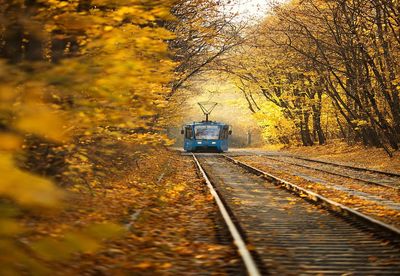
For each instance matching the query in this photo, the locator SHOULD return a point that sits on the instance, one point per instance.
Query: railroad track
(369, 176)
(338, 184)
(386, 173)
(289, 235)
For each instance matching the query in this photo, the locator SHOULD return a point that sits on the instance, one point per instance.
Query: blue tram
(206, 136)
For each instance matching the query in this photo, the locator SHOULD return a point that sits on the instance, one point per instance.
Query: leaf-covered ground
(170, 218)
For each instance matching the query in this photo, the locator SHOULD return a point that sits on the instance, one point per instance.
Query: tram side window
(224, 133)
(188, 133)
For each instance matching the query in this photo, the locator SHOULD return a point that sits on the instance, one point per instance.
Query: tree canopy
(89, 83)
(337, 59)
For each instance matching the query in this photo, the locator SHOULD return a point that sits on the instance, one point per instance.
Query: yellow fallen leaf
(9, 141)
(144, 265)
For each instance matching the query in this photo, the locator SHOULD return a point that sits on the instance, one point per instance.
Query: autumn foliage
(79, 80)
(88, 87)
(316, 70)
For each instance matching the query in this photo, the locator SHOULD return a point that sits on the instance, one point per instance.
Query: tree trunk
(249, 138)
(316, 116)
(305, 131)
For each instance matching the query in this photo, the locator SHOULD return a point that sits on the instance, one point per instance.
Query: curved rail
(246, 256)
(393, 174)
(334, 173)
(318, 199)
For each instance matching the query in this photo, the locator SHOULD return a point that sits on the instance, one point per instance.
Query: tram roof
(206, 123)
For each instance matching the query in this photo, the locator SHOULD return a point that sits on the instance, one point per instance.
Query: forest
(331, 68)
(88, 89)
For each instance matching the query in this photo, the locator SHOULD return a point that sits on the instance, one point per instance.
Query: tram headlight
(199, 142)
(213, 143)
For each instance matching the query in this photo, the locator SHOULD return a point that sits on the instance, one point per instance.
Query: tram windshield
(206, 132)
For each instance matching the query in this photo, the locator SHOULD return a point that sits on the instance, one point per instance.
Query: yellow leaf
(24, 187)
(84, 241)
(42, 121)
(9, 142)
(104, 231)
(143, 265)
(9, 227)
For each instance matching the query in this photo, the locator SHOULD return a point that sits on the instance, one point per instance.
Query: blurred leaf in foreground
(84, 241)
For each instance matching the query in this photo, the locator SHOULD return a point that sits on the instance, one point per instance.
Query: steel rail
(332, 173)
(319, 199)
(246, 256)
(392, 174)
